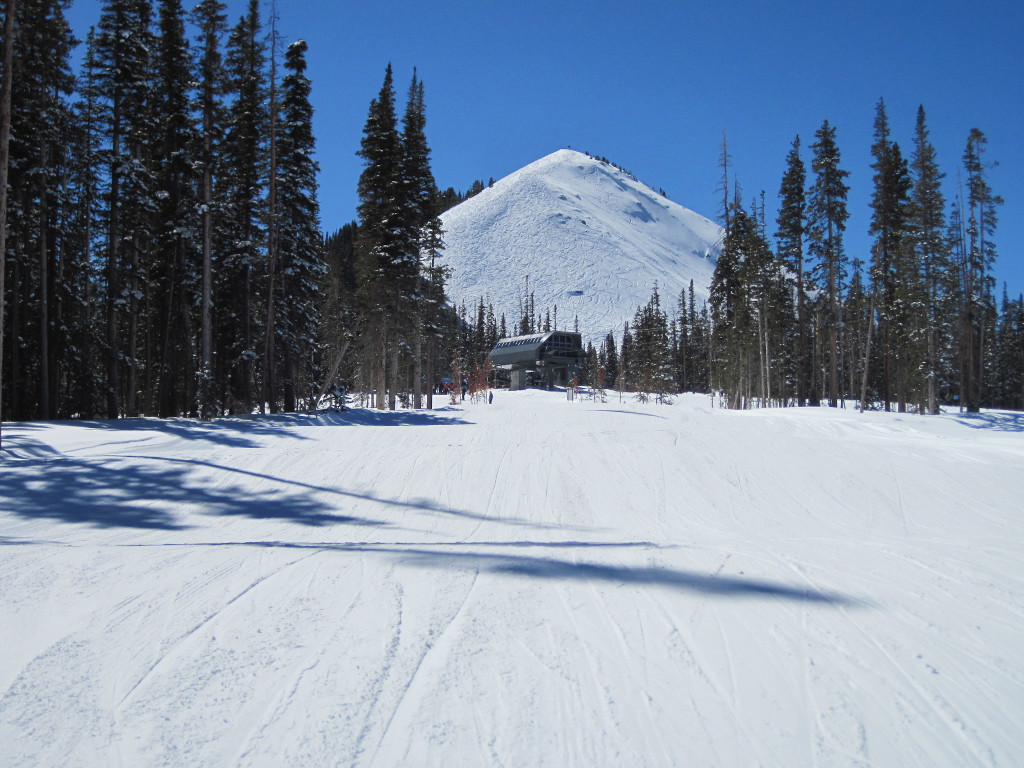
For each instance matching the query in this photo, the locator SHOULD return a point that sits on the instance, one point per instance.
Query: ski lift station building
(547, 359)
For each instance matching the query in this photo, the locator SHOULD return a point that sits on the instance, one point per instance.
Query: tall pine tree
(124, 84)
(792, 224)
(979, 254)
(175, 279)
(243, 186)
(211, 23)
(383, 240)
(893, 272)
(926, 229)
(827, 215)
(300, 253)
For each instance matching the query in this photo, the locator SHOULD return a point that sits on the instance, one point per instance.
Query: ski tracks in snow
(410, 675)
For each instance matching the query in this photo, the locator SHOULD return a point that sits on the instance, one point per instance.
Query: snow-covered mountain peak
(588, 237)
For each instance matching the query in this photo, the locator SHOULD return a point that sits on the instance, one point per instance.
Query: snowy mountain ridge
(582, 236)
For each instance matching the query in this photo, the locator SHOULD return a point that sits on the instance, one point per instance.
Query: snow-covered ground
(592, 240)
(535, 582)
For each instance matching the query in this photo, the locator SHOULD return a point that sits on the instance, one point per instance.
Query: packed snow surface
(582, 236)
(534, 582)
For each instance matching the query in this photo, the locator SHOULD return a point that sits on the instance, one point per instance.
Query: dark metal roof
(558, 347)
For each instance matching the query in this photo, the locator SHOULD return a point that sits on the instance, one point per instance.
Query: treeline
(390, 329)
(163, 248)
(449, 198)
(659, 352)
(801, 321)
(793, 319)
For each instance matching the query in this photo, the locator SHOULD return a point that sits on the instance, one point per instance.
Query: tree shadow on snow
(371, 417)
(230, 431)
(137, 491)
(631, 413)
(1002, 421)
(563, 570)
(420, 504)
(119, 493)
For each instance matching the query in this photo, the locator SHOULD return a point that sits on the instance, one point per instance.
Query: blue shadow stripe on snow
(118, 493)
(1000, 421)
(422, 504)
(230, 431)
(441, 555)
(563, 570)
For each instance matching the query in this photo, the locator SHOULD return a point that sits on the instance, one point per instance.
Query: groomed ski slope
(534, 582)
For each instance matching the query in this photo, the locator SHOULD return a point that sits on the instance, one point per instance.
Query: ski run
(535, 582)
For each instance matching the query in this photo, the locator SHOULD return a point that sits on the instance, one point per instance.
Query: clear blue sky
(653, 85)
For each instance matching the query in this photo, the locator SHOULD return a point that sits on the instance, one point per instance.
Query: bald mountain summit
(580, 235)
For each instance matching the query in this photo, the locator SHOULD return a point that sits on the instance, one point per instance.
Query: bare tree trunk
(430, 373)
(334, 372)
(164, 392)
(187, 399)
(289, 380)
(17, 312)
(44, 288)
(817, 366)
(393, 389)
(269, 346)
(380, 366)
(933, 404)
(206, 302)
(867, 357)
(417, 373)
(803, 375)
(113, 256)
(833, 359)
(131, 401)
(5, 142)
(833, 319)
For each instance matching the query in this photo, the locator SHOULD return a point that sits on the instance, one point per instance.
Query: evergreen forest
(162, 255)
(162, 249)
(798, 320)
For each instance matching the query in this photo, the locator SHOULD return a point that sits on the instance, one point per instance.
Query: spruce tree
(398, 218)
(423, 211)
(300, 252)
(175, 279)
(124, 84)
(792, 223)
(624, 381)
(893, 269)
(746, 291)
(611, 359)
(730, 318)
(243, 188)
(926, 227)
(40, 130)
(699, 334)
(211, 23)
(725, 208)
(827, 215)
(83, 241)
(979, 254)
(384, 277)
(651, 348)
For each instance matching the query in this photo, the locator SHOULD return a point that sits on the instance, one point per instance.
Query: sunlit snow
(582, 236)
(535, 582)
